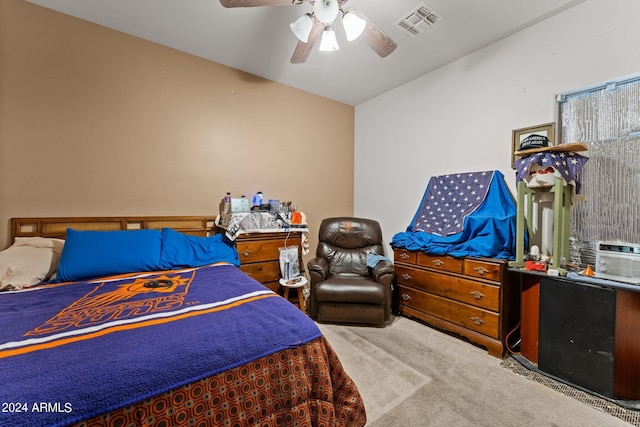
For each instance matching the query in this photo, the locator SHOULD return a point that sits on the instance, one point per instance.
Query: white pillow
(29, 261)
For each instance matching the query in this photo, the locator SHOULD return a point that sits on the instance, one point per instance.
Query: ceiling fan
(309, 26)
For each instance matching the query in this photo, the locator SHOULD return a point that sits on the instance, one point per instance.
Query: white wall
(459, 118)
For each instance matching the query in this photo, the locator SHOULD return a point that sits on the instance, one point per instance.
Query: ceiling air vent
(419, 20)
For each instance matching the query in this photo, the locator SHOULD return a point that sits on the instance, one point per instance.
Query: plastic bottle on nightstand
(257, 199)
(225, 203)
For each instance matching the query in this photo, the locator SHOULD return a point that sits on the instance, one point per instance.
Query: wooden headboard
(57, 227)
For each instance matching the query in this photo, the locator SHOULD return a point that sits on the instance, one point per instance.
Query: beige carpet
(412, 375)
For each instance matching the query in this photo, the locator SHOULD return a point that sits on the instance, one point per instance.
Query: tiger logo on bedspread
(141, 297)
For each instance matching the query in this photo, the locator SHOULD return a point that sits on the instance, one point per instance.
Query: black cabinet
(577, 333)
(583, 333)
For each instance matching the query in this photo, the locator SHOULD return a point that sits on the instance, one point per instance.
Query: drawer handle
(246, 252)
(478, 321)
(404, 255)
(406, 297)
(437, 262)
(477, 295)
(480, 270)
(405, 276)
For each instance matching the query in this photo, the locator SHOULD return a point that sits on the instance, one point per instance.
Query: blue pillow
(91, 254)
(180, 250)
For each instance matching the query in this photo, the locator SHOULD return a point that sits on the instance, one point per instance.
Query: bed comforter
(96, 352)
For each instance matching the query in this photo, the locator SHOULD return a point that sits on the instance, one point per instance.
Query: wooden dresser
(467, 296)
(259, 255)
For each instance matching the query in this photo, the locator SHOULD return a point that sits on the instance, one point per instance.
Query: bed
(184, 339)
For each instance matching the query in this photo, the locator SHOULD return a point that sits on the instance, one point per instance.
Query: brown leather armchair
(343, 288)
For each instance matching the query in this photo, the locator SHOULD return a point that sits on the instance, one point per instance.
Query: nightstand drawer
(468, 291)
(260, 250)
(263, 272)
(469, 317)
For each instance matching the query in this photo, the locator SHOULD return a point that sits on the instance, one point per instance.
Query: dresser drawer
(403, 255)
(444, 263)
(478, 294)
(260, 250)
(263, 272)
(467, 316)
(483, 269)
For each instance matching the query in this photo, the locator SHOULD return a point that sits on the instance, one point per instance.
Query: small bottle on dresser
(257, 199)
(225, 203)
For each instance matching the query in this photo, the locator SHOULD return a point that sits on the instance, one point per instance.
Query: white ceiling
(258, 39)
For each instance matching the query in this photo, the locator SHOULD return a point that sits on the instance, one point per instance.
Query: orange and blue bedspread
(75, 350)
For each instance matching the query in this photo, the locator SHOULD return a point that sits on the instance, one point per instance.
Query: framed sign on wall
(547, 129)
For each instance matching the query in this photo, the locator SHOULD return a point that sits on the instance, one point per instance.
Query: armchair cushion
(350, 289)
(346, 242)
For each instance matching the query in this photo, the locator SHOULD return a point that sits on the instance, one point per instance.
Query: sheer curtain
(607, 119)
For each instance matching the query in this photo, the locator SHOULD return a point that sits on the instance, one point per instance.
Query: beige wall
(95, 122)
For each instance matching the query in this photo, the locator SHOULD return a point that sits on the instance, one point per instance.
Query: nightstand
(259, 255)
(291, 284)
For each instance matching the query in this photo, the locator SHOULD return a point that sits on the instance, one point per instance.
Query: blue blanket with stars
(470, 214)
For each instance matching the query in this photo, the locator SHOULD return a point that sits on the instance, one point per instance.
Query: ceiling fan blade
(251, 3)
(302, 50)
(373, 36)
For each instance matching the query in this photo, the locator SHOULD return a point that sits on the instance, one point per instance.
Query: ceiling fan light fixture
(353, 25)
(302, 27)
(326, 11)
(329, 42)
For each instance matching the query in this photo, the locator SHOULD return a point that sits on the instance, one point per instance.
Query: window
(607, 118)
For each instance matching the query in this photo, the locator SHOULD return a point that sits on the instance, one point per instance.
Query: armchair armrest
(318, 270)
(383, 272)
